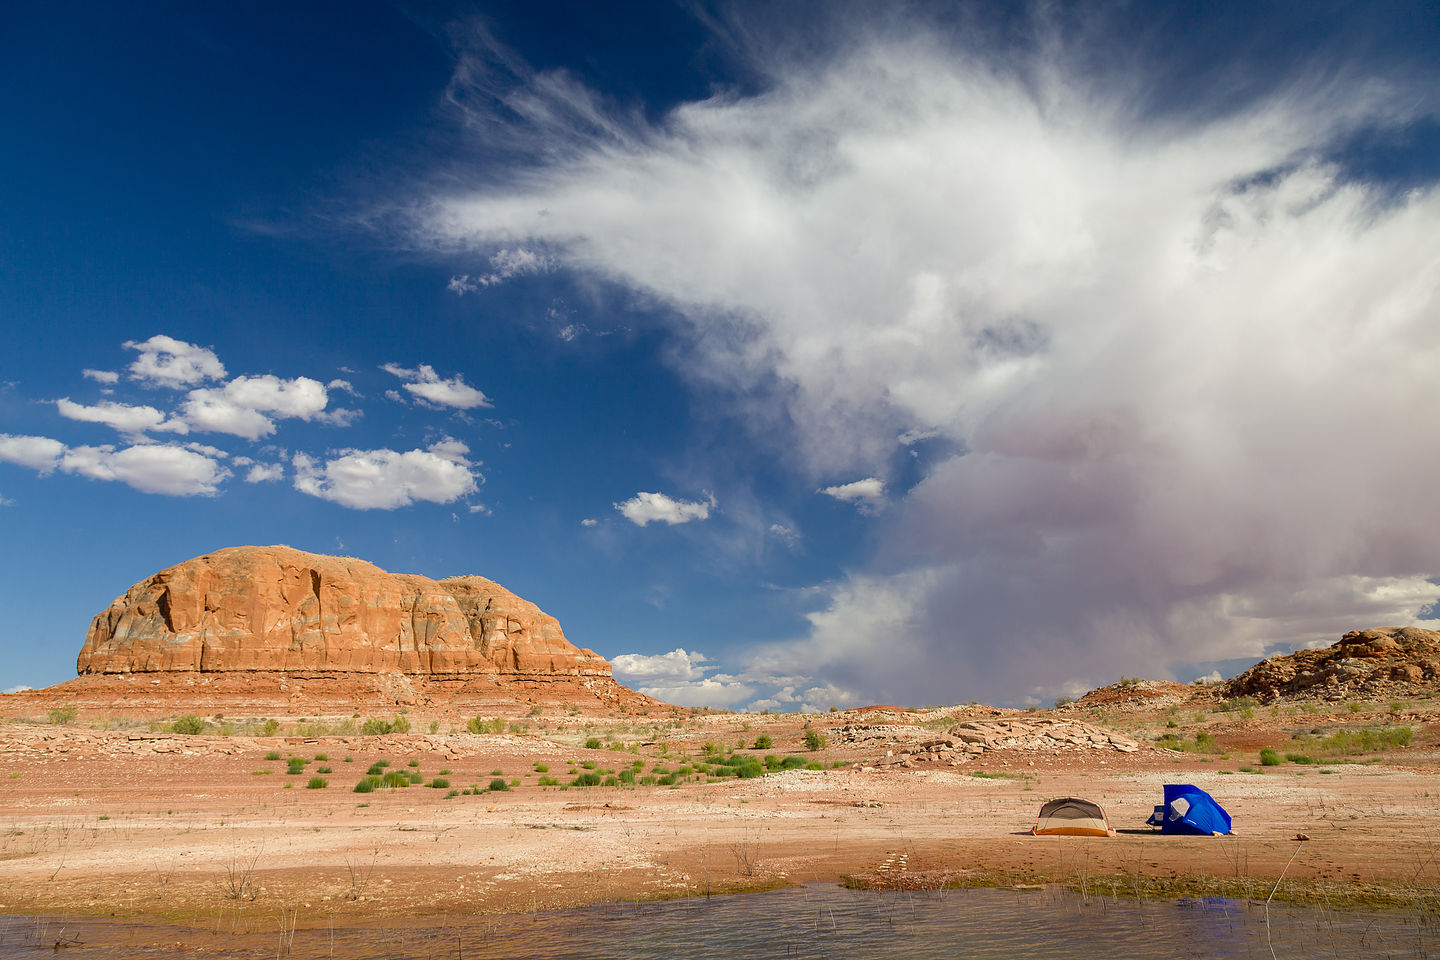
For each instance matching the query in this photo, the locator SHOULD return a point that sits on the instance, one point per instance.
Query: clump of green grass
(586, 780)
(273, 755)
(1269, 757)
(594, 743)
(366, 785)
(295, 765)
(764, 742)
(322, 757)
(452, 793)
(444, 771)
(542, 768)
(394, 779)
(547, 782)
(413, 763)
(376, 726)
(323, 770)
(814, 739)
(440, 783)
(481, 725)
(1347, 742)
(499, 784)
(260, 773)
(316, 783)
(1204, 742)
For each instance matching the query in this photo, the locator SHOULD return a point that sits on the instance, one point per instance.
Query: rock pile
(975, 738)
(1380, 662)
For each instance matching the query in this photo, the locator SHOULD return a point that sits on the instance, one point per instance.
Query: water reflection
(807, 923)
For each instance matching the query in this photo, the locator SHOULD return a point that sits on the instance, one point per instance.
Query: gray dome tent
(1072, 817)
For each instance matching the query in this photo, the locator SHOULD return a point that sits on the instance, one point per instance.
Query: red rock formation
(1376, 662)
(275, 609)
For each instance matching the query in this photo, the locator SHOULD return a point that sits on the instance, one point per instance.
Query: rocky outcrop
(1372, 663)
(276, 609)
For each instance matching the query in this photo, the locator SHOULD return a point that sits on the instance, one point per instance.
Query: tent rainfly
(1072, 817)
(1188, 809)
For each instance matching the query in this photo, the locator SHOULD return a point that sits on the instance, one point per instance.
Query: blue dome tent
(1188, 809)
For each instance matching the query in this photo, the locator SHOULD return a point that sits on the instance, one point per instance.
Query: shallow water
(807, 923)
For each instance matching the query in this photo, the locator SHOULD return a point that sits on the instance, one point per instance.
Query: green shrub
(269, 728)
(322, 757)
(499, 784)
(273, 755)
(452, 793)
(1063, 702)
(317, 783)
(395, 779)
(594, 743)
(814, 739)
(542, 768)
(377, 769)
(415, 777)
(763, 742)
(444, 771)
(413, 763)
(627, 776)
(547, 782)
(1270, 758)
(586, 780)
(188, 724)
(440, 783)
(295, 765)
(323, 770)
(365, 786)
(481, 725)
(63, 715)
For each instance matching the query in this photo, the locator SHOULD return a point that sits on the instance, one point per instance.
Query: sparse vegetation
(764, 742)
(60, 716)
(482, 725)
(316, 783)
(1269, 757)
(499, 784)
(814, 739)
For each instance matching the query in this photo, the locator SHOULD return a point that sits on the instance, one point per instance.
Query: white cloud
(133, 421)
(427, 385)
(215, 411)
(340, 416)
(167, 362)
(385, 479)
(345, 385)
(301, 397)
(868, 493)
(6, 501)
(38, 453)
(589, 522)
(715, 691)
(1132, 323)
(21, 688)
(207, 450)
(644, 508)
(504, 265)
(151, 468)
(106, 377)
(675, 666)
(263, 472)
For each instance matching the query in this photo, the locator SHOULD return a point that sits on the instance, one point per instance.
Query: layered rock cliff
(276, 609)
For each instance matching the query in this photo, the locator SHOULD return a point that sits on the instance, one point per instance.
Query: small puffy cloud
(214, 411)
(1212, 677)
(301, 397)
(503, 265)
(644, 508)
(167, 362)
(340, 416)
(345, 385)
(6, 501)
(867, 493)
(387, 479)
(21, 688)
(130, 420)
(589, 522)
(426, 384)
(263, 472)
(38, 453)
(677, 665)
(150, 468)
(106, 377)
(717, 691)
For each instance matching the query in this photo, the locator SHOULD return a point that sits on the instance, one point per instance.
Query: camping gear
(1188, 809)
(1072, 817)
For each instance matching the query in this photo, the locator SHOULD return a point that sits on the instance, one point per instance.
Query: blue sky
(789, 354)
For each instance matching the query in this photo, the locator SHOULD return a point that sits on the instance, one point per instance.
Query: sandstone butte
(246, 616)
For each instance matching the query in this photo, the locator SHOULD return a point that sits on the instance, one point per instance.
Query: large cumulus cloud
(1185, 362)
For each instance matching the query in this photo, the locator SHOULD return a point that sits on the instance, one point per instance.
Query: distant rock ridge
(277, 609)
(1376, 662)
